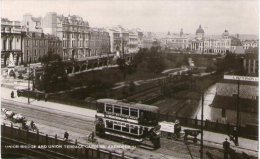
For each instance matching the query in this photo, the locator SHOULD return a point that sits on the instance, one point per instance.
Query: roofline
(130, 105)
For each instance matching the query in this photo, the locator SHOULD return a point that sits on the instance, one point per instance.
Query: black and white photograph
(129, 79)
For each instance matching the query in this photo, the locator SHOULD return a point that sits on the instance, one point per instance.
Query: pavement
(210, 138)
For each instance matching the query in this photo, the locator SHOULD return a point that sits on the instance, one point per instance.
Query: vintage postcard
(131, 79)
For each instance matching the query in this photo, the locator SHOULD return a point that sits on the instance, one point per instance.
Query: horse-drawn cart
(18, 118)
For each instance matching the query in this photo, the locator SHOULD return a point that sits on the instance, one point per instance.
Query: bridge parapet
(16, 140)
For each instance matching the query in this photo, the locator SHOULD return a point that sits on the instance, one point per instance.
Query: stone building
(251, 64)
(99, 42)
(72, 30)
(236, 45)
(133, 42)
(35, 45)
(54, 44)
(119, 41)
(250, 44)
(176, 41)
(224, 106)
(11, 41)
(201, 44)
(148, 40)
(32, 24)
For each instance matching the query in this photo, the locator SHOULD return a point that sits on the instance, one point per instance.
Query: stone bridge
(91, 63)
(18, 142)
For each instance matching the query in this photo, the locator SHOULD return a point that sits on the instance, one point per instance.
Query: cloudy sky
(238, 16)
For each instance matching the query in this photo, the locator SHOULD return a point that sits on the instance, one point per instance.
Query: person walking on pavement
(177, 128)
(45, 97)
(66, 135)
(91, 136)
(226, 146)
(12, 94)
(234, 136)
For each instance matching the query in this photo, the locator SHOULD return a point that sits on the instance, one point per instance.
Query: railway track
(146, 94)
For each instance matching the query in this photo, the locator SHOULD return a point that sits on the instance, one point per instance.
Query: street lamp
(29, 82)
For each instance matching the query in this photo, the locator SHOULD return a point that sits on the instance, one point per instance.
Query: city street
(53, 118)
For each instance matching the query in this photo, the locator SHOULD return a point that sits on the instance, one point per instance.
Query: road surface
(53, 121)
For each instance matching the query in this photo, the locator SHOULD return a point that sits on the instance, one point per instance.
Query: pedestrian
(226, 146)
(45, 97)
(66, 135)
(177, 128)
(32, 124)
(12, 94)
(92, 136)
(234, 136)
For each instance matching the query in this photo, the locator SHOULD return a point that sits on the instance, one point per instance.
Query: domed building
(200, 33)
(225, 35)
(211, 45)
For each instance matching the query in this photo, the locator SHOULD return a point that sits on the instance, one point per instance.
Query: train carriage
(131, 122)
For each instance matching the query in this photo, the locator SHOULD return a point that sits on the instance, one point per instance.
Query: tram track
(82, 125)
(43, 117)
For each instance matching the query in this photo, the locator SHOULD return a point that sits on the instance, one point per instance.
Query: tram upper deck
(132, 112)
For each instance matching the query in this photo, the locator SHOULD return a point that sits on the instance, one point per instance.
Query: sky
(237, 16)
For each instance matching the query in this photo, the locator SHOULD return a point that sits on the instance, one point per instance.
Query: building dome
(200, 30)
(225, 33)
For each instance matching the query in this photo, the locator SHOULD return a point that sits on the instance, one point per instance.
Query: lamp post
(29, 83)
(202, 115)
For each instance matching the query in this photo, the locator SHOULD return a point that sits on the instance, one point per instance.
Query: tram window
(117, 127)
(117, 109)
(125, 111)
(134, 112)
(134, 130)
(125, 129)
(109, 124)
(108, 108)
(100, 107)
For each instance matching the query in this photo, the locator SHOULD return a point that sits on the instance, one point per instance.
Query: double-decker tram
(132, 123)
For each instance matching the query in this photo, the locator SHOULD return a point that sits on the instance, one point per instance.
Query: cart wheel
(164, 135)
(173, 136)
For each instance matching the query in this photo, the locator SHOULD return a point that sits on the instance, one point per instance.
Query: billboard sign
(241, 78)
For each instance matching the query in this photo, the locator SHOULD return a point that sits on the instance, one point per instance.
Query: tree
(54, 77)
(231, 63)
(149, 60)
(122, 66)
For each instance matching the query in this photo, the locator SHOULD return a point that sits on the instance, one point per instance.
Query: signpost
(241, 78)
(238, 79)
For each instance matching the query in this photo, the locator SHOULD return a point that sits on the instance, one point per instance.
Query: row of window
(123, 127)
(74, 35)
(35, 52)
(42, 43)
(121, 110)
(36, 42)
